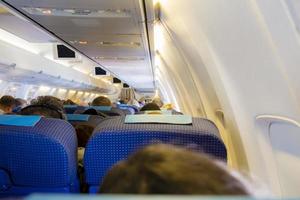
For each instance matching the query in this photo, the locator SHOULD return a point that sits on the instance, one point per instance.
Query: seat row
(108, 110)
(42, 156)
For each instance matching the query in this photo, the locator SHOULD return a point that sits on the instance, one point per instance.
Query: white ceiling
(130, 63)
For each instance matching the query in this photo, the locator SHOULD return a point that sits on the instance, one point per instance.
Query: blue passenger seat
(115, 112)
(38, 158)
(131, 109)
(91, 120)
(70, 109)
(113, 140)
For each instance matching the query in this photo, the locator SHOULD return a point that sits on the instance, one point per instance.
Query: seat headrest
(101, 108)
(78, 117)
(70, 106)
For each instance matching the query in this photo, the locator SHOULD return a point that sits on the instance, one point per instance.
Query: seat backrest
(116, 112)
(41, 158)
(70, 109)
(130, 108)
(113, 141)
(93, 120)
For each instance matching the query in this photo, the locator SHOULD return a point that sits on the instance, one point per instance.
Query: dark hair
(69, 102)
(46, 106)
(92, 111)
(7, 103)
(42, 110)
(50, 101)
(101, 101)
(165, 169)
(84, 133)
(150, 106)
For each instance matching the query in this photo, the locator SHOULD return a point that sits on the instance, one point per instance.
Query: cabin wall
(227, 55)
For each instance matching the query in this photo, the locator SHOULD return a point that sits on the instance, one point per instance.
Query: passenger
(7, 104)
(121, 101)
(101, 101)
(164, 169)
(84, 133)
(19, 104)
(142, 101)
(69, 102)
(150, 106)
(158, 102)
(46, 106)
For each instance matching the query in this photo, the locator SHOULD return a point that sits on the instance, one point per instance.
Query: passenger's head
(46, 106)
(50, 101)
(69, 102)
(83, 132)
(7, 103)
(158, 102)
(101, 101)
(150, 106)
(165, 169)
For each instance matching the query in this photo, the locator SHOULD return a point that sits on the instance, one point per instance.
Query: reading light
(47, 12)
(82, 42)
(44, 88)
(62, 90)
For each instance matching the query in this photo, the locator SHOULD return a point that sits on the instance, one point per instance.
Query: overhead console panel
(113, 33)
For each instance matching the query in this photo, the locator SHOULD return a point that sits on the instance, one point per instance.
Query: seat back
(93, 120)
(113, 141)
(116, 112)
(41, 158)
(70, 109)
(130, 108)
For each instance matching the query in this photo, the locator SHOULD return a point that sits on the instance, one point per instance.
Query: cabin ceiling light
(44, 88)
(80, 70)
(119, 58)
(62, 90)
(119, 44)
(79, 12)
(82, 42)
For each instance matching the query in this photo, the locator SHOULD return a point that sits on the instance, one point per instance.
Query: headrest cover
(77, 117)
(158, 112)
(160, 119)
(19, 120)
(70, 106)
(100, 108)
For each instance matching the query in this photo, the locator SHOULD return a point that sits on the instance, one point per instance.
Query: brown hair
(84, 133)
(165, 169)
(150, 106)
(7, 103)
(47, 106)
(101, 101)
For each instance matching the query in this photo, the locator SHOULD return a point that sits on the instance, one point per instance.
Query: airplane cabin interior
(223, 75)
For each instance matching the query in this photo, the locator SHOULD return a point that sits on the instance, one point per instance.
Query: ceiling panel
(117, 23)
(86, 4)
(23, 29)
